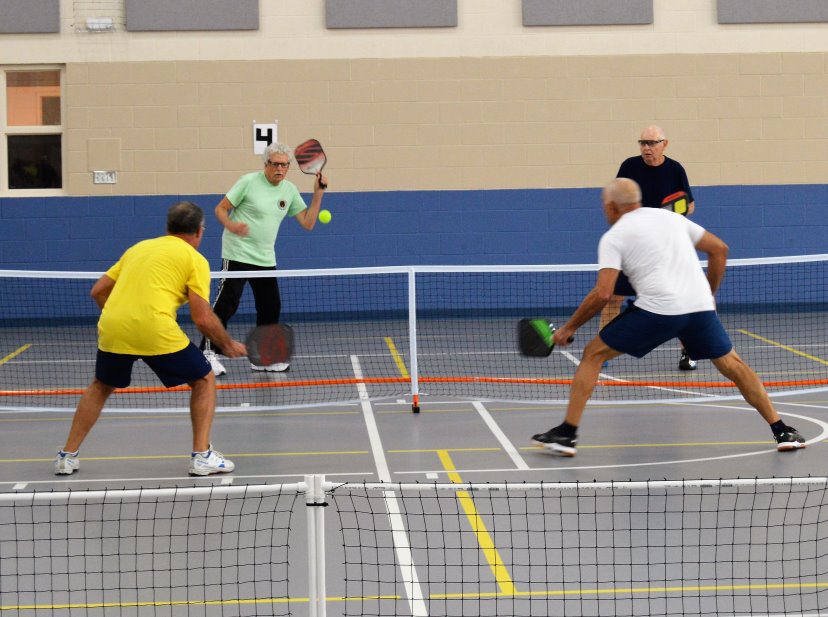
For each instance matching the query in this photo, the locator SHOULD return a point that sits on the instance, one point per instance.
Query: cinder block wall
(484, 143)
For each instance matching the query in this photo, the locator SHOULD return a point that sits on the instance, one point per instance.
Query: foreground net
(197, 551)
(728, 547)
(418, 332)
(630, 548)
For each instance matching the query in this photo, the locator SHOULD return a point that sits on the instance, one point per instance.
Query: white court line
(821, 437)
(577, 362)
(79, 480)
(810, 405)
(504, 441)
(399, 534)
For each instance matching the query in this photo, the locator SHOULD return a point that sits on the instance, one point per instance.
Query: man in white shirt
(656, 249)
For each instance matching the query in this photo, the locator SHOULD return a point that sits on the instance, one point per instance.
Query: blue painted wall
(536, 226)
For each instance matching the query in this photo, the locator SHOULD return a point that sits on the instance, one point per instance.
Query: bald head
(653, 132)
(623, 192)
(619, 197)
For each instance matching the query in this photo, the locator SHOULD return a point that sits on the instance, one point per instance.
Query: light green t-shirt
(262, 207)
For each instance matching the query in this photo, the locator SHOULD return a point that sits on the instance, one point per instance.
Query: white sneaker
(213, 461)
(66, 463)
(279, 367)
(218, 367)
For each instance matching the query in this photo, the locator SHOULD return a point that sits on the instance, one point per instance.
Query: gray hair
(276, 148)
(623, 192)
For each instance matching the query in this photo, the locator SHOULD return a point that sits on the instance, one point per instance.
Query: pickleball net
(423, 331)
(692, 547)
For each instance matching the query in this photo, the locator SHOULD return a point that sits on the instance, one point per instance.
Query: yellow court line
(484, 539)
(671, 445)
(185, 415)
(429, 450)
(157, 603)
(397, 358)
(445, 596)
(30, 607)
(628, 590)
(688, 444)
(785, 347)
(15, 353)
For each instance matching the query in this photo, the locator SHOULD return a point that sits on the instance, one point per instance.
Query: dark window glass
(34, 162)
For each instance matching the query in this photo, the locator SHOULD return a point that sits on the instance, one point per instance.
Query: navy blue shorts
(637, 332)
(173, 369)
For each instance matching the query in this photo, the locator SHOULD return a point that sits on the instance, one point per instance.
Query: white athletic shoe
(212, 461)
(218, 367)
(279, 367)
(66, 463)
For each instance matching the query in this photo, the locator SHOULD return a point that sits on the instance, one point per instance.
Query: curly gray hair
(276, 148)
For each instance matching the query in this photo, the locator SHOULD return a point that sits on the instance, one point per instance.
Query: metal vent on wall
(97, 16)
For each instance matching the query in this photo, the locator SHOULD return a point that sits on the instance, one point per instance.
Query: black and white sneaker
(686, 363)
(552, 440)
(789, 439)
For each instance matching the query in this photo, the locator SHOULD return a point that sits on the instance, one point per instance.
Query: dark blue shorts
(173, 369)
(637, 332)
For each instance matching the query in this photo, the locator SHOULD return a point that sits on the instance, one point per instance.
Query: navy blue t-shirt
(656, 182)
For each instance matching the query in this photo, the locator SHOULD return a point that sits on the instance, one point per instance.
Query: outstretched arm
(590, 306)
(210, 326)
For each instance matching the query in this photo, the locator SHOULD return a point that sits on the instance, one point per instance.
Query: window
(31, 124)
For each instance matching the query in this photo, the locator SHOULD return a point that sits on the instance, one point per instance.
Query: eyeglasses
(650, 142)
(277, 164)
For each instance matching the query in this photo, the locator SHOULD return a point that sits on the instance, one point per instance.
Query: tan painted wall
(454, 123)
(489, 104)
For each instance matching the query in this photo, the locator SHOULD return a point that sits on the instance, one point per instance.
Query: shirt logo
(282, 204)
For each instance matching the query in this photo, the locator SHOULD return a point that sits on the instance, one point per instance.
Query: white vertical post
(319, 507)
(315, 506)
(412, 339)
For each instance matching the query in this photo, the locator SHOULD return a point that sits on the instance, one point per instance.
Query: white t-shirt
(656, 250)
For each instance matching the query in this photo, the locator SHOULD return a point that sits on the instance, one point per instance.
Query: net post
(412, 339)
(315, 507)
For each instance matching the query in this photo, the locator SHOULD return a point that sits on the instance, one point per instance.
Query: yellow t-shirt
(152, 279)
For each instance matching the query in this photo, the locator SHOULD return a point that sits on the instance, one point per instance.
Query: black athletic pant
(265, 295)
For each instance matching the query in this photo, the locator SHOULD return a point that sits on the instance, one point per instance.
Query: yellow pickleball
(325, 216)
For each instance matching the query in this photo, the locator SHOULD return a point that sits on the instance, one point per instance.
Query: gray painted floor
(552, 563)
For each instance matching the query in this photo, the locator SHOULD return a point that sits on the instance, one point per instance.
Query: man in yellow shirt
(139, 298)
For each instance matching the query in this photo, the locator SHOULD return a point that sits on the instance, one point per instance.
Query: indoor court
(396, 482)
(423, 191)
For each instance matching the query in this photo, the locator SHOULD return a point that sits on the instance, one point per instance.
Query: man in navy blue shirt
(658, 176)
